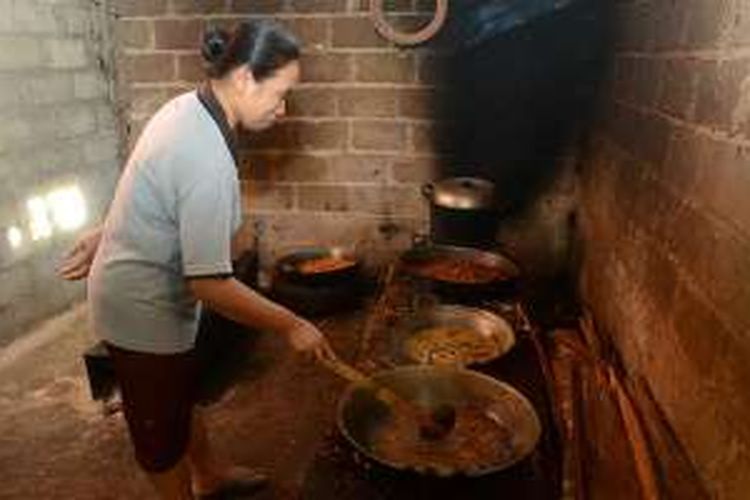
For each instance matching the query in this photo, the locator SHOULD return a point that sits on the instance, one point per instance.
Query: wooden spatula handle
(346, 371)
(351, 374)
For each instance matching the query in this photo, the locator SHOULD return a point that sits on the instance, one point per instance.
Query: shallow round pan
(504, 274)
(500, 266)
(361, 414)
(452, 334)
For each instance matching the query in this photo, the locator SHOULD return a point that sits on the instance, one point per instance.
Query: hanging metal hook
(377, 13)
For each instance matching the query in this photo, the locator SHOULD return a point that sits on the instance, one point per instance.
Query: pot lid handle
(464, 193)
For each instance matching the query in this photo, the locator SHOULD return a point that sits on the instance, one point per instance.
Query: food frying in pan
(323, 265)
(451, 345)
(479, 439)
(456, 270)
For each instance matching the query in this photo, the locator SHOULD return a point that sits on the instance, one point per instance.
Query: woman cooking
(166, 247)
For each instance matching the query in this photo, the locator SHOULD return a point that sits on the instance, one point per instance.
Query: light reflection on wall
(39, 225)
(15, 237)
(61, 210)
(68, 208)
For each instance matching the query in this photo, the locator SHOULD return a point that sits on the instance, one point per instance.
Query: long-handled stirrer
(434, 424)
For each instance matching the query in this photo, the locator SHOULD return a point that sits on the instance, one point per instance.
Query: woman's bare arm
(240, 303)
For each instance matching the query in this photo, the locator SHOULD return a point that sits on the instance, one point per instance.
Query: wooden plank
(610, 469)
(675, 472)
(642, 454)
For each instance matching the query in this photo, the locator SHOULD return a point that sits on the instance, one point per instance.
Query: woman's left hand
(77, 262)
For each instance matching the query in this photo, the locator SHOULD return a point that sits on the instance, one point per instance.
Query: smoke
(518, 84)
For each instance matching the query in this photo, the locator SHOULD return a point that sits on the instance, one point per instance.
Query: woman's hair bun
(261, 45)
(215, 42)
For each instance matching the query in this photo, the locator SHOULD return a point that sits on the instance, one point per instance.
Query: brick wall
(344, 168)
(666, 221)
(57, 130)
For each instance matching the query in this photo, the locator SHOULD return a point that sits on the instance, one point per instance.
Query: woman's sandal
(243, 482)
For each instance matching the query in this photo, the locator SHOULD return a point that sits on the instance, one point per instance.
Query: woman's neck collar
(222, 96)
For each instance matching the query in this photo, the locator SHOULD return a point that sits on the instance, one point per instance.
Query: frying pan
(288, 267)
(503, 273)
(488, 328)
(361, 415)
(319, 293)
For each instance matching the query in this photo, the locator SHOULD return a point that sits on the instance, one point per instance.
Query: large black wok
(318, 293)
(288, 267)
(361, 416)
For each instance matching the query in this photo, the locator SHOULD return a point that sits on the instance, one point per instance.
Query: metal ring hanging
(400, 38)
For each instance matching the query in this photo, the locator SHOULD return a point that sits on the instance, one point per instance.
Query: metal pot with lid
(463, 211)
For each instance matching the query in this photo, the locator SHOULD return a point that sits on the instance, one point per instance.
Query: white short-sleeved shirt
(175, 210)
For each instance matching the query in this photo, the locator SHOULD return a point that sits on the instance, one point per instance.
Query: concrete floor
(55, 442)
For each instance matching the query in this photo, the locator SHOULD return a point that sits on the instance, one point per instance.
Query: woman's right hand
(306, 338)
